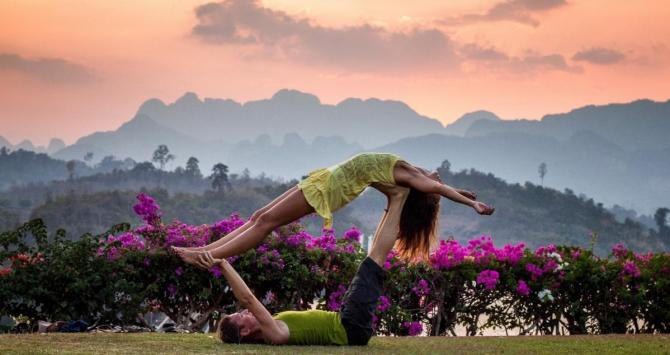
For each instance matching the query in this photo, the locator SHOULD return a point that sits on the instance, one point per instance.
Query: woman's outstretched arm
(408, 175)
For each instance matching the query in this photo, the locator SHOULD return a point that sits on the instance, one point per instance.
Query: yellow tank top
(329, 189)
(314, 327)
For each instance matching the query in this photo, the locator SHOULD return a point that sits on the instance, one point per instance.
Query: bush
(117, 276)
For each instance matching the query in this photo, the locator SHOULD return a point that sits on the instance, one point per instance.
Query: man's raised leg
(387, 232)
(361, 298)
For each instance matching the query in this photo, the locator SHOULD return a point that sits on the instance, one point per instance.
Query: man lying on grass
(352, 325)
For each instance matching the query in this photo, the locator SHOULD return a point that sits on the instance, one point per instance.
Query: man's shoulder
(280, 335)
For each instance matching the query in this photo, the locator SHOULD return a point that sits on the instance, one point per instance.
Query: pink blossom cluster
(147, 209)
(421, 288)
(183, 235)
(383, 303)
(451, 253)
(301, 238)
(414, 328)
(352, 234)
(545, 250)
(488, 278)
(270, 258)
(619, 250)
(630, 269)
(326, 242)
(522, 288)
(335, 299)
(113, 247)
(534, 270)
(228, 225)
(392, 260)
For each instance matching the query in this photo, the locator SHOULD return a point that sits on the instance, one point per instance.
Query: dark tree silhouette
(661, 222)
(192, 168)
(220, 178)
(88, 157)
(162, 155)
(70, 165)
(144, 167)
(444, 168)
(542, 169)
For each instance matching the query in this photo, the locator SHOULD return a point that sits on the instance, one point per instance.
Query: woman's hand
(469, 194)
(482, 208)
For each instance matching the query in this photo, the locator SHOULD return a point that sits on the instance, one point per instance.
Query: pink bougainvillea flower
(630, 269)
(414, 328)
(489, 278)
(383, 303)
(522, 288)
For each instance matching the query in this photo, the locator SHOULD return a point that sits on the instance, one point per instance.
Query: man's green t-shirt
(314, 327)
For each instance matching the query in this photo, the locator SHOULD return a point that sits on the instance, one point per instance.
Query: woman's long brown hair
(418, 225)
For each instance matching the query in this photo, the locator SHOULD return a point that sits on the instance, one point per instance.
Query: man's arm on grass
(272, 332)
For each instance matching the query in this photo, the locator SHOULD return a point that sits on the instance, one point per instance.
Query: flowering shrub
(119, 275)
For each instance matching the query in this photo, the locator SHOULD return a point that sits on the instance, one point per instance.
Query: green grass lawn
(171, 343)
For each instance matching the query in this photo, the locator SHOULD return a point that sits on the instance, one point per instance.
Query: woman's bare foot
(191, 248)
(191, 257)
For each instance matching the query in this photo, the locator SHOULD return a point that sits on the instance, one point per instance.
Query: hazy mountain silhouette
(616, 153)
(368, 122)
(585, 163)
(638, 125)
(461, 125)
(55, 144)
(137, 139)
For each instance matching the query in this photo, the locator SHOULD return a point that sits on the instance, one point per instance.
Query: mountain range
(616, 153)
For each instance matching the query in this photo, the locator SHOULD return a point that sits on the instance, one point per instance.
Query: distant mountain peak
(189, 98)
(388, 105)
(55, 144)
(152, 106)
(25, 144)
(478, 115)
(461, 125)
(295, 96)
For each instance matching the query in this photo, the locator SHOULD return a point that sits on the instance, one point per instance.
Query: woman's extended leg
(291, 207)
(239, 230)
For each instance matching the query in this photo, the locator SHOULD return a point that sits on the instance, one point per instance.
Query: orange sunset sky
(69, 68)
